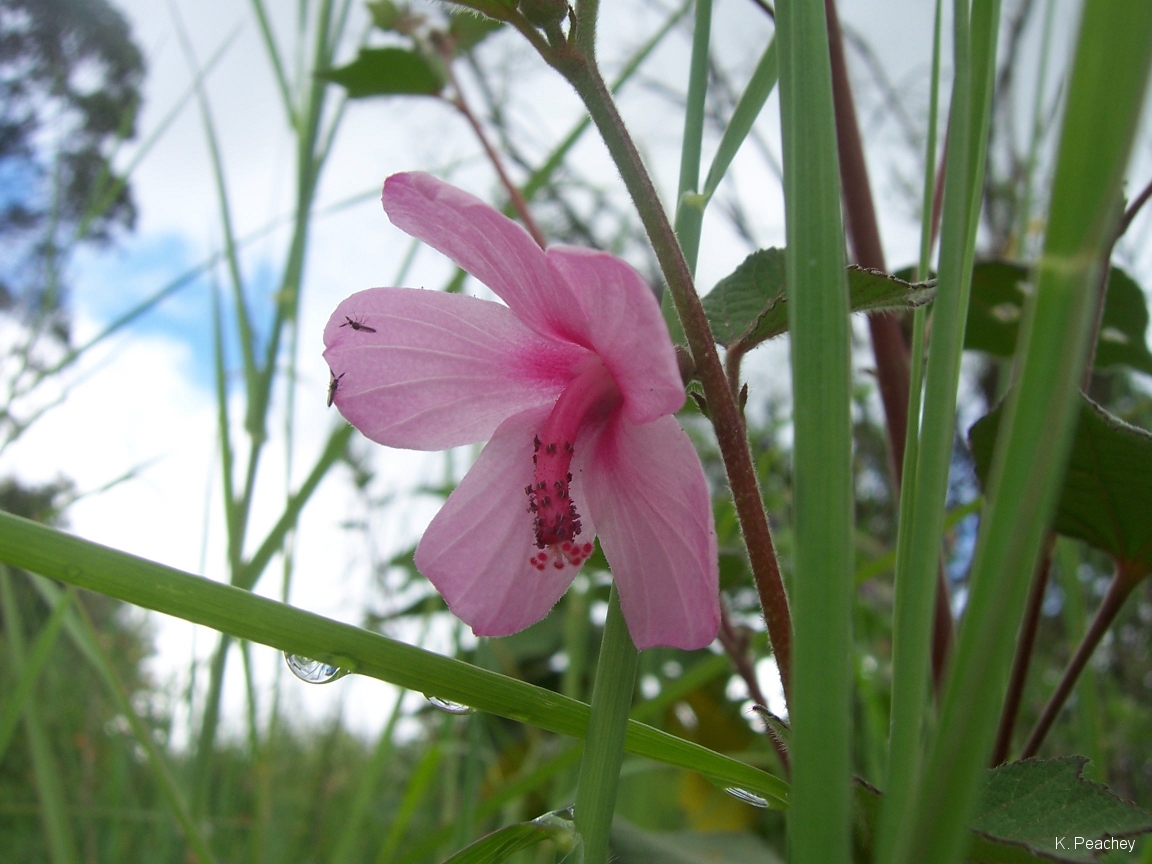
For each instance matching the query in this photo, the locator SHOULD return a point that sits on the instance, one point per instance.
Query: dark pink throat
(590, 396)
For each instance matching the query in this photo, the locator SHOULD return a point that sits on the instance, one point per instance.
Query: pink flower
(574, 384)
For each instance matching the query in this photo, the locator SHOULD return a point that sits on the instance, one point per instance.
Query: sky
(143, 402)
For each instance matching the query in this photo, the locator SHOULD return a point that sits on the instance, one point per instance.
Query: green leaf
(997, 302)
(386, 72)
(1124, 325)
(634, 845)
(1105, 499)
(501, 845)
(471, 29)
(998, 292)
(87, 565)
(384, 13)
(749, 305)
(1033, 803)
(1024, 808)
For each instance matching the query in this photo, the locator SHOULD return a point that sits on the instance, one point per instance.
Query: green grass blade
(33, 664)
(274, 57)
(45, 768)
(87, 641)
(689, 219)
(819, 311)
(503, 844)
(1108, 82)
(697, 676)
(690, 205)
(244, 615)
(333, 451)
(247, 336)
(540, 177)
(916, 574)
(748, 107)
(418, 782)
(101, 202)
(604, 744)
(345, 847)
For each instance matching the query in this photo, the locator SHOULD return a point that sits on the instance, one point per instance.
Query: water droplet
(746, 796)
(313, 671)
(448, 705)
(560, 826)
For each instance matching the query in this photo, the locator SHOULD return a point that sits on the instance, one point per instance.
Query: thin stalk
(1108, 82)
(689, 219)
(584, 76)
(604, 744)
(245, 615)
(514, 195)
(418, 783)
(84, 635)
(15, 699)
(1037, 132)
(888, 346)
(1123, 582)
(274, 58)
(1025, 644)
(736, 648)
(819, 322)
(1087, 706)
(45, 767)
(923, 523)
(1132, 211)
(243, 319)
(369, 782)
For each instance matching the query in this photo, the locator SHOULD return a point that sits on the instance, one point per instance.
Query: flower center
(591, 395)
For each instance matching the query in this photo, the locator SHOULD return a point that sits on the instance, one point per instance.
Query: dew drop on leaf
(313, 671)
(448, 705)
(746, 796)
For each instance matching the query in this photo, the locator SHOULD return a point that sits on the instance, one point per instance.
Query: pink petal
(647, 493)
(427, 370)
(488, 245)
(477, 549)
(626, 329)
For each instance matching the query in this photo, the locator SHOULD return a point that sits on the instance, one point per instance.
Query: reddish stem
(1025, 643)
(888, 346)
(1127, 577)
(736, 647)
(582, 73)
(514, 194)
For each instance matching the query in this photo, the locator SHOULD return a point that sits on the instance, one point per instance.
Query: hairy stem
(581, 72)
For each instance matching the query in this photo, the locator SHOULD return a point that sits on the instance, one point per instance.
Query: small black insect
(333, 385)
(357, 325)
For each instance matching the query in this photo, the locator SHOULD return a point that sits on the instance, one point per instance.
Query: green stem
(245, 615)
(820, 333)
(604, 744)
(583, 75)
(45, 767)
(689, 219)
(921, 523)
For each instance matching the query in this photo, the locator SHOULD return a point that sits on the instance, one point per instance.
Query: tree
(70, 78)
